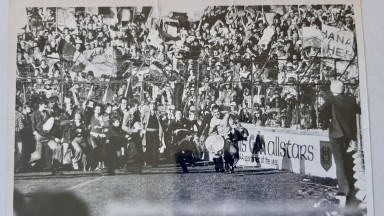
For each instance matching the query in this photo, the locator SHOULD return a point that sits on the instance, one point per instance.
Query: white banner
(337, 43)
(312, 37)
(292, 150)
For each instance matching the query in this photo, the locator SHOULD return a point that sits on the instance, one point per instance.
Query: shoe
(222, 170)
(75, 166)
(217, 169)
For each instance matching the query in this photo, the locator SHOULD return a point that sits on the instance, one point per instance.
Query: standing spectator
(257, 146)
(38, 119)
(27, 139)
(342, 110)
(115, 138)
(80, 146)
(97, 138)
(19, 126)
(153, 134)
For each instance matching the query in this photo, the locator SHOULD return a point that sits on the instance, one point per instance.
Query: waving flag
(67, 50)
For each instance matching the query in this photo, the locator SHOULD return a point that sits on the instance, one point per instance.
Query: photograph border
(16, 6)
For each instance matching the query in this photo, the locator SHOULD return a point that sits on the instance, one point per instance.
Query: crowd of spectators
(250, 60)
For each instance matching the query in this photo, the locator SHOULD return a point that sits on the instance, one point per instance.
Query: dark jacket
(258, 144)
(65, 122)
(341, 110)
(204, 124)
(116, 136)
(38, 121)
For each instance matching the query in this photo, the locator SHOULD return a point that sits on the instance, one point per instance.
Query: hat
(337, 87)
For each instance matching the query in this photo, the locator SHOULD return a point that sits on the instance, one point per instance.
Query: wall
(294, 150)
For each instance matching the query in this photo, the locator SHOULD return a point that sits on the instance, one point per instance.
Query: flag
(267, 36)
(67, 51)
(125, 14)
(270, 17)
(66, 17)
(110, 15)
(153, 37)
(108, 95)
(166, 36)
(129, 91)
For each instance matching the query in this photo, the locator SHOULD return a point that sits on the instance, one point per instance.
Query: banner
(104, 63)
(270, 17)
(337, 43)
(66, 17)
(125, 14)
(312, 37)
(303, 152)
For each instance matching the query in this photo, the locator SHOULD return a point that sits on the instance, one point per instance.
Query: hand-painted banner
(104, 63)
(337, 43)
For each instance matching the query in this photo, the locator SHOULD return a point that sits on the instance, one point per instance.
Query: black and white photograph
(188, 108)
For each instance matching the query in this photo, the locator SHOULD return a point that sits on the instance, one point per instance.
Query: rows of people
(227, 41)
(92, 136)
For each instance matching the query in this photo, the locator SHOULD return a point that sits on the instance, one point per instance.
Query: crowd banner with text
(337, 43)
(304, 152)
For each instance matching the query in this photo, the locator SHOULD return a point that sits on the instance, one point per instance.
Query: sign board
(286, 149)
